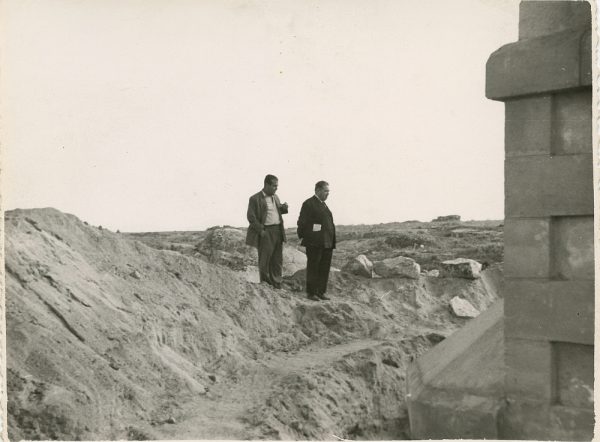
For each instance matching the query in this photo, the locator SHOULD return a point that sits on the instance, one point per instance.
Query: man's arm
(303, 220)
(253, 217)
(283, 208)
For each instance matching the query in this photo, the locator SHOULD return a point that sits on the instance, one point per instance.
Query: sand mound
(227, 246)
(111, 339)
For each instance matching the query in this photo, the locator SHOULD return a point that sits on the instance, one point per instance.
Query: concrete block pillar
(545, 81)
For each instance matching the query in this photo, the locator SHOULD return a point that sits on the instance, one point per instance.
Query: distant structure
(446, 218)
(537, 350)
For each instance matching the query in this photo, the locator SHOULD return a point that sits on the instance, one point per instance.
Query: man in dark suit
(317, 232)
(266, 231)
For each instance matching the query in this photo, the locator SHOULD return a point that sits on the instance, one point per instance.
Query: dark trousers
(270, 255)
(318, 262)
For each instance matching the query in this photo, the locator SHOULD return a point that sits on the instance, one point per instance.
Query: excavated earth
(111, 338)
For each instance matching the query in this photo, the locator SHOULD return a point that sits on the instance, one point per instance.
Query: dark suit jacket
(314, 211)
(257, 214)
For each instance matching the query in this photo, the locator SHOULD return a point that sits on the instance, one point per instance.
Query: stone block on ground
(293, 260)
(399, 266)
(359, 265)
(463, 308)
(252, 274)
(461, 268)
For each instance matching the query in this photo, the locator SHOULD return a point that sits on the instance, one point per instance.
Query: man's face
(271, 188)
(323, 193)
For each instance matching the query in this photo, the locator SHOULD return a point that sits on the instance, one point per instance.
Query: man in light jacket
(266, 231)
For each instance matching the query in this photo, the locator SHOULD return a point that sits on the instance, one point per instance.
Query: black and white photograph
(298, 219)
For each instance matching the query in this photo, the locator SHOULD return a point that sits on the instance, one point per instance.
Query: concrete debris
(435, 338)
(293, 260)
(399, 266)
(463, 308)
(360, 265)
(461, 268)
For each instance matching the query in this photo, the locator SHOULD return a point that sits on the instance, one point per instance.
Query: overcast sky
(166, 115)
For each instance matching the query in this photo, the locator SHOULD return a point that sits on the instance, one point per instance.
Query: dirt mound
(103, 330)
(108, 338)
(227, 246)
(356, 395)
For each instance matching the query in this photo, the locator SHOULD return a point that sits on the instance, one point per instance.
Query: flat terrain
(429, 243)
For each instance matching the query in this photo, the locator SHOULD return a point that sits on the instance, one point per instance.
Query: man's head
(322, 190)
(270, 186)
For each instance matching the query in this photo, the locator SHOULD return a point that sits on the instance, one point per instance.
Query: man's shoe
(323, 297)
(277, 285)
(313, 298)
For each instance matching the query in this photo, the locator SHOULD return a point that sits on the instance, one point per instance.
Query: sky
(147, 115)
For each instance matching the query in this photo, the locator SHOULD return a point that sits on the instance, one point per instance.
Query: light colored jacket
(257, 214)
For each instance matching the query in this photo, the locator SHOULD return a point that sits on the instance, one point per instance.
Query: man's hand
(262, 233)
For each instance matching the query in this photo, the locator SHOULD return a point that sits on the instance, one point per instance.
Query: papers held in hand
(316, 227)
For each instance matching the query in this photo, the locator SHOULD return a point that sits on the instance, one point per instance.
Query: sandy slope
(109, 338)
(227, 416)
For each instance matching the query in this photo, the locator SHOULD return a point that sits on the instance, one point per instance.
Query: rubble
(397, 267)
(461, 268)
(463, 308)
(359, 265)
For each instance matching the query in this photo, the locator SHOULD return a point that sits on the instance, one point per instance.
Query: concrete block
(480, 369)
(538, 420)
(585, 64)
(455, 390)
(572, 123)
(528, 126)
(572, 247)
(538, 65)
(547, 17)
(527, 248)
(549, 310)
(549, 186)
(432, 364)
(528, 368)
(450, 415)
(574, 365)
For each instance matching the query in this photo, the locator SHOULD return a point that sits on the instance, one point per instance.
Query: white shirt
(272, 213)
